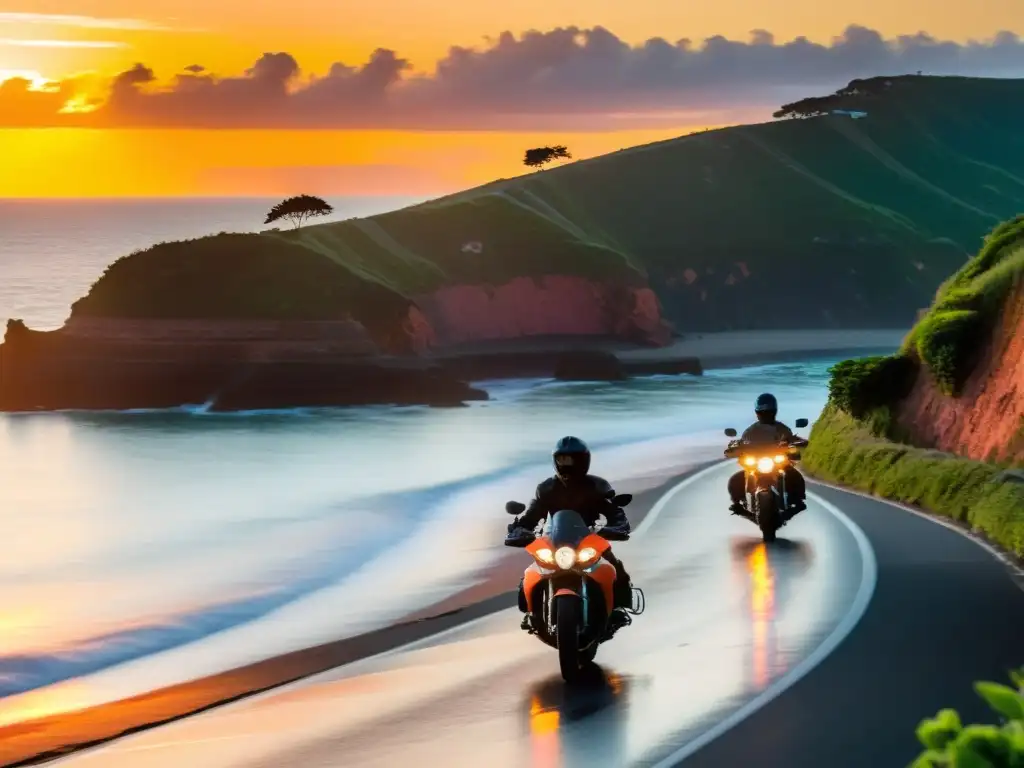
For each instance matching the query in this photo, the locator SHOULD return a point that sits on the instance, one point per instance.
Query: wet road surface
(725, 617)
(845, 619)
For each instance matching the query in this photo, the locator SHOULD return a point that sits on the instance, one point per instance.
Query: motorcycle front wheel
(568, 619)
(767, 516)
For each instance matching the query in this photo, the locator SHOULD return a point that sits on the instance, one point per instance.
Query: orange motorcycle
(569, 588)
(765, 466)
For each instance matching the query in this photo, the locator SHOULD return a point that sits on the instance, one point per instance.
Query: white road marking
(869, 578)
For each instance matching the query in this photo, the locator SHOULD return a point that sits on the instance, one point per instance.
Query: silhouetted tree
(298, 209)
(541, 156)
(857, 95)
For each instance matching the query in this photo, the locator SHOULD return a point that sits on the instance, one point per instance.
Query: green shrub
(844, 450)
(949, 338)
(871, 384)
(949, 744)
(948, 342)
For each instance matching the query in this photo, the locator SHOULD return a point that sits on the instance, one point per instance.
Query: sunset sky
(236, 97)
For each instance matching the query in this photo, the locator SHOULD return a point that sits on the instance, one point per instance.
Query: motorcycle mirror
(514, 507)
(801, 423)
(622, 499)
(730, 432)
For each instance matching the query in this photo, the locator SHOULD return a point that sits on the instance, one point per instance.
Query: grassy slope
(981, 496)
(854, 221)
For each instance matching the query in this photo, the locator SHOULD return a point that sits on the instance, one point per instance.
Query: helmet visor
(567, 464)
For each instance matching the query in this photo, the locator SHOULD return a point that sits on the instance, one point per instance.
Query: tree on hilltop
(298, 209)
(541, 156)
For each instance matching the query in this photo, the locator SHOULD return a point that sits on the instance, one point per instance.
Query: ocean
(171, 544)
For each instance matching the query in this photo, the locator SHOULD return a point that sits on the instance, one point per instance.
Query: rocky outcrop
(986, 421)
(101, 362)
(122, 364)
(554, 305)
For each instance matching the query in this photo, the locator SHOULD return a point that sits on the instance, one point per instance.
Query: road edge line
(1005, 558)
(861, 601)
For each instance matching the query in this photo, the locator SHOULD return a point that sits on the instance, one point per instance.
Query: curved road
(826, 648)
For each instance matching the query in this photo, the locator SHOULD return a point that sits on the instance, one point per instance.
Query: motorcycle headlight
(587, 554)
(749, 461)
(765, 465)
(565, 558)
(545, 556)
(780, 459)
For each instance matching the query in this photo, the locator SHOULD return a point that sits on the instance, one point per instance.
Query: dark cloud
(564, 78)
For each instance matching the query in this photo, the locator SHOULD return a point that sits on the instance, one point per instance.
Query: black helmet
(766, 407)
(572, 458)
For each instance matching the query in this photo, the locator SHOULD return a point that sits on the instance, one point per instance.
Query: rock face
(554, 305)
(122, 364)
(986, 422)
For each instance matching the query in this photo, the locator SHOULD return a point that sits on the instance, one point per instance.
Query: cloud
(566, 78)
(20, 43)
(82, 22)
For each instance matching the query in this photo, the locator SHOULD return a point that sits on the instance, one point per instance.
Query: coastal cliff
(99, 364)
(940, 424)
(242, 321)
(968, 394)
(553, 305)
(985, 420)
(101, 360)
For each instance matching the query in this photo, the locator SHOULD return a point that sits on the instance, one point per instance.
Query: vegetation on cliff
(858, 440)
(357, 267)
(949, 338)
(946, 341)
(983, 497)
(241, 276)
(824, 222)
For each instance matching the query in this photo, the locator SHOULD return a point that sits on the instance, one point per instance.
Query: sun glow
(38, 82)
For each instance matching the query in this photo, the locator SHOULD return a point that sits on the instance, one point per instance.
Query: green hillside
(826, 221)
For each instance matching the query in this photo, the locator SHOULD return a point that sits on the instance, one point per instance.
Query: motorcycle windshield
(567, 529)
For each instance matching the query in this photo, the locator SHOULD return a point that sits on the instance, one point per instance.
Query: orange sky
(58, 38)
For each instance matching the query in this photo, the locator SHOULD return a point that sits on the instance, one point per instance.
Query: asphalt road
(825, 648)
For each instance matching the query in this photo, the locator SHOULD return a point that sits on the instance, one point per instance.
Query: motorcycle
(569, 588)
(765, 467)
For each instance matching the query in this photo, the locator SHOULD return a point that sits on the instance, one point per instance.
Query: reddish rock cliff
(125, 362)
(987, 421)
(554, 305)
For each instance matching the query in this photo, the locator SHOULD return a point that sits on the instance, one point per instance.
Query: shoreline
(710, 346)
(690, 355)
(39, 739)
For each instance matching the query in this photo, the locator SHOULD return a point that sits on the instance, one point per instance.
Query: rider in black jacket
(767, 431)
(588, 495)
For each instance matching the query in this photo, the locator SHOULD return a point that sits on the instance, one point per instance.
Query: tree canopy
(298, 209)
(856, 95)
(540, 156)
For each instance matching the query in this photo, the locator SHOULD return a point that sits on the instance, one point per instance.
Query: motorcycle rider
(589, 496)
(767, 431)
